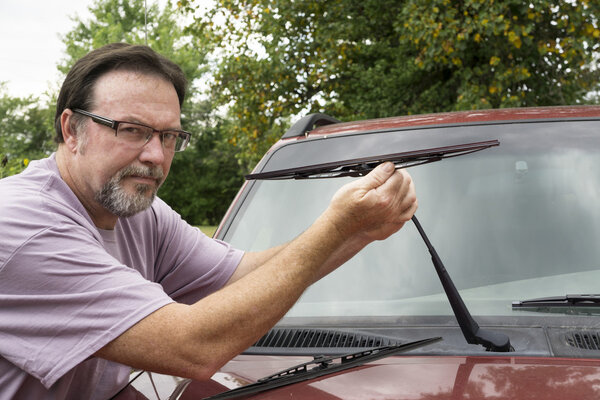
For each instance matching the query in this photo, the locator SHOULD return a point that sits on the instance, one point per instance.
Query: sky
(30, 46)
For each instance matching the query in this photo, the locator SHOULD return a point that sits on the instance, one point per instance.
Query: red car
(488, 294)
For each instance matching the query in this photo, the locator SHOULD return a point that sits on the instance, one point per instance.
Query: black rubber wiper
(362, 166)
(321, 366)
(569, 300)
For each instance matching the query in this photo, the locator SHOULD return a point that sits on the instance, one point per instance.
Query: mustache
(143, 171)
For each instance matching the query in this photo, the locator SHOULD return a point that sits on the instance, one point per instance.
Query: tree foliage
(268, 62)
(26, 131)
(507, 53)
(378, 58)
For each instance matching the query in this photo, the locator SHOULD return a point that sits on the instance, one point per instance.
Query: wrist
(344, 228)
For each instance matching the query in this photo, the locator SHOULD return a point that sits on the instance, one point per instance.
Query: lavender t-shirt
(68, 288)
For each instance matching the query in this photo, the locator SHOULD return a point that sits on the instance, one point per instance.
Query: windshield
(517, 221)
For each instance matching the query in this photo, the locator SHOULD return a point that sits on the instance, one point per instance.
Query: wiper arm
(362, 166)
(492, 341)
(321, 366)
(569, 300)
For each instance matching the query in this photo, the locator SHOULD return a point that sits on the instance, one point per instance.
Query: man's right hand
(375, 206)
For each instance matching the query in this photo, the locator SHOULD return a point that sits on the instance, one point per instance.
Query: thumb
(378, 176)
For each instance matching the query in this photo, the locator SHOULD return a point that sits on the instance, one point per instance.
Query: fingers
(378, 176)
(410, 203)
(398, 194)
(377, 205)
(406, 196)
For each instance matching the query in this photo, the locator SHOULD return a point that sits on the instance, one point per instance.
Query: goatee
(115, 198)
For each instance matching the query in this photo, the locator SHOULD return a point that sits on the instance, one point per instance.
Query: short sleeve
(190, 265)
(64, 297)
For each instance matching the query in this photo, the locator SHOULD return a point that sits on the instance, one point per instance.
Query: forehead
(123, 92)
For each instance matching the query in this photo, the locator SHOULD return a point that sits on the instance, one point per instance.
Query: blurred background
(255, 66)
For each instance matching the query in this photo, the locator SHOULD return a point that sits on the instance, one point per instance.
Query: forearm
(336, 258)
(252, 260)
(340, 255)
(256, 302)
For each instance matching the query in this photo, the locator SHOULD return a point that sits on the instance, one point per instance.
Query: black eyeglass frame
(114, 124)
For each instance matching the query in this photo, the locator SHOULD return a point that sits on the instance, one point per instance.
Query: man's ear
(69, 130)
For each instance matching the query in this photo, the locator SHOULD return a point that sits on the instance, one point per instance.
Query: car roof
(456, 117)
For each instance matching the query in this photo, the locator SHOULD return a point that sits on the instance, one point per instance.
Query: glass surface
(518, 221)
(139, 135)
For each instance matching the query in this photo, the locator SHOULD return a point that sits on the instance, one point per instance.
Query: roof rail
(308, 123)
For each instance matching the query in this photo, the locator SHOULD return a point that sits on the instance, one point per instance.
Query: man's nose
(153, 151)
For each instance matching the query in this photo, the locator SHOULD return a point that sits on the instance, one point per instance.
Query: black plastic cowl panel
(310, 341)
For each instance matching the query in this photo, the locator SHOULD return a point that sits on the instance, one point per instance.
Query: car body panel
(425, 378)
(458, 118)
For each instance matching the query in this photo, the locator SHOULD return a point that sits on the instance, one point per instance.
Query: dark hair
(77, 89)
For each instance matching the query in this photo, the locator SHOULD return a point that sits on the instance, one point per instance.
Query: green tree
(26, 131)
(506, 53)
(203, 179)
(378, 58)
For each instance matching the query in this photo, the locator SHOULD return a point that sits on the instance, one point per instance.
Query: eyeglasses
(137, 135)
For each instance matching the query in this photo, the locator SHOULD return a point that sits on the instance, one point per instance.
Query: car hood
(421, 378)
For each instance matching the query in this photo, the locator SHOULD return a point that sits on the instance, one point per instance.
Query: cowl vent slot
(309, 341)
(584, 340)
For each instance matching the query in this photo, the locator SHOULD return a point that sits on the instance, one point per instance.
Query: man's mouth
(142, 175)
(144, 179)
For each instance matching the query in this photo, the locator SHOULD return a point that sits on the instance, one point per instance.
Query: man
(97, 275)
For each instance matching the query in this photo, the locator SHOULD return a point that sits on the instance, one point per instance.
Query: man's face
(110, 173)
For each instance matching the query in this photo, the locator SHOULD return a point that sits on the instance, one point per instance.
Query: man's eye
(133, 130)
(170, 136)
(130, 129)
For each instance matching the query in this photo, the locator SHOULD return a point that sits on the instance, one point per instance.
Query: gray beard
(115, 199)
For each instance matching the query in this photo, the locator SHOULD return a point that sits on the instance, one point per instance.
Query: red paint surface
(427, 378)
(503, 114)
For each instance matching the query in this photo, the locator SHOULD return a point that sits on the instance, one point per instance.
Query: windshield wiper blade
(362, 166)
(569, 300)
(321, 366)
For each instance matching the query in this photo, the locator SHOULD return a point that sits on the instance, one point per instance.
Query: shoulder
(41, 181)
(39, 191)
(35, 201)
(28, 184)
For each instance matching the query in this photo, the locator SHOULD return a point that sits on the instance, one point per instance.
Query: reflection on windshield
(500, 221)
